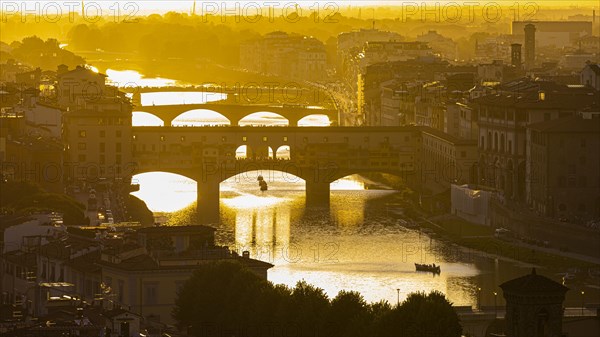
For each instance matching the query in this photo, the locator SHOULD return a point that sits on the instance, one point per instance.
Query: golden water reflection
(344, 248)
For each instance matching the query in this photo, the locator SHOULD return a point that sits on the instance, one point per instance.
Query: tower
(515, 55)
(529, 46)
(534, 306)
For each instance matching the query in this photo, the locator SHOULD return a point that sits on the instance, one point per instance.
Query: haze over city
(308, 168)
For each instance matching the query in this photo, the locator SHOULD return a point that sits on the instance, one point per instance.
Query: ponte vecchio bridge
(235, 112)
(318, 155)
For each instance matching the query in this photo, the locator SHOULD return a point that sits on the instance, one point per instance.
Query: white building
(470, 204)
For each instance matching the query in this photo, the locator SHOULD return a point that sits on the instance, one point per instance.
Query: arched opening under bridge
(200, 117)
(165, 192)
(141, 118)
(263, 118)
(314, 120)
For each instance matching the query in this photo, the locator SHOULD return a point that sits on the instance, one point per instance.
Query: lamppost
(582, 301)
(398, 292)
(479, 298)
(495, 305)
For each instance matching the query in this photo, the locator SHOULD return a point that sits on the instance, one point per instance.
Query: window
(81, 146)
(285, 139)
(150, 293)
(102, 134)
(162, 138)
(120, 290)
(244, 139)
(265, 139)
(82, 134)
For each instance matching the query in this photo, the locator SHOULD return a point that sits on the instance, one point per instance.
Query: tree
(225, 298)
(350, 314)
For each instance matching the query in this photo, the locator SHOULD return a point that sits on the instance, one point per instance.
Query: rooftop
(571, 124)
(533, 284)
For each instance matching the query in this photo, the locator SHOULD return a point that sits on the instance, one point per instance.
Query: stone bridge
(318, 155)
(235, 112)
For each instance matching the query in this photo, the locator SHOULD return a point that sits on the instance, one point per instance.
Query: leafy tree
(350, 314)
(224, 298)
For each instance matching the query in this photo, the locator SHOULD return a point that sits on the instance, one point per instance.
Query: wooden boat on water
(432, 268)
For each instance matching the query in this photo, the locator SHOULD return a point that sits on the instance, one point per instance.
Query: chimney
(246, 254)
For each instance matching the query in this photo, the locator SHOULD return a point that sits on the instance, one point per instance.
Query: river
(360, 242)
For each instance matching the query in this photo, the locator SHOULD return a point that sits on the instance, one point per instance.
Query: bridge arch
(165, 191)
(283, 152)
(314, 120)
(263, 118)
(142, 118)
(200, 117)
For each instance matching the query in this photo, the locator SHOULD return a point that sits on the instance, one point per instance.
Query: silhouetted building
(563, 165)
(529, 46)
(554, 33)
(590, 76)
(534, 306)
(503, 116)
(286, 55)
(515, 52)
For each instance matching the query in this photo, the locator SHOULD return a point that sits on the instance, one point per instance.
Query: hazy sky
(162, 6)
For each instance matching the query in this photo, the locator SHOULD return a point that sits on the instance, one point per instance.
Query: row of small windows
(102, 133)
(101, 147)
(82, 158)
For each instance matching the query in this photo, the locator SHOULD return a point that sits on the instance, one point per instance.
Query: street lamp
(495, 305)
(398, 292)
(582, 301)
(479, 298)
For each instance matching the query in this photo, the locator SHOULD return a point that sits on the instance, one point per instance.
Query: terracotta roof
(532, 284)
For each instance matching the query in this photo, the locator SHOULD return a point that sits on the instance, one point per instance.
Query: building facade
(563, 167)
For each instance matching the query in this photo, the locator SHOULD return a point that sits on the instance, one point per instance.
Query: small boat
(428, 267)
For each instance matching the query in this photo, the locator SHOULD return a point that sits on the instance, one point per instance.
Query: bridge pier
(208, 201)
(317, 193)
